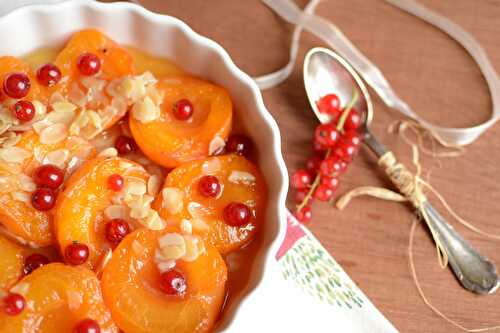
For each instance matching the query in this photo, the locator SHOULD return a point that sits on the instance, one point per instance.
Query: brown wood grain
(435, 76)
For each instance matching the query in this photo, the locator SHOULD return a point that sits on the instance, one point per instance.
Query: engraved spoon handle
(474, 271)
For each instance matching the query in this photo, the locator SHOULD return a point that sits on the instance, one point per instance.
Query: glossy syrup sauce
(240, 263)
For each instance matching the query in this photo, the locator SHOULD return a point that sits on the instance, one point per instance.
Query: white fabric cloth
(334, 37)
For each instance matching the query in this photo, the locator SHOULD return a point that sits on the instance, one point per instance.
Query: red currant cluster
(335, 145)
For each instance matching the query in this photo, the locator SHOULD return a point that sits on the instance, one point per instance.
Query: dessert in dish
(123, 192)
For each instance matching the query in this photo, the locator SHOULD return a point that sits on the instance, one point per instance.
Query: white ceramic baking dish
(31, 27)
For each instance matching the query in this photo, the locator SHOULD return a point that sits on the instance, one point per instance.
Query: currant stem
(340, 128)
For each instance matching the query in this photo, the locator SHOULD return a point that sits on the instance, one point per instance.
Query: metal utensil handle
(474, 271)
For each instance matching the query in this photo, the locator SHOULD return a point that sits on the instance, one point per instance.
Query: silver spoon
(326, 72)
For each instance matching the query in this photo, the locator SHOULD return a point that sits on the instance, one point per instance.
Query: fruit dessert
(126, 202)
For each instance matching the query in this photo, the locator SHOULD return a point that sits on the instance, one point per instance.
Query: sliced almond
(116, 212)
(173, 200)
(53, 134)
(216, 145)
(21, 196)
(135, 187)
(154, 184)
(194, 248)
(109, 152)
(153, 221)
(165, 265)
(91, 82)
(172, 246)
(199, 225)
(11, 141)
(40, 108)
(56, 97)
(63, 106)
(26, 183)
(95, 119)
(186, 227)
(138, 213)
(146, 110)
(77, 96)
(197, 210)
(14, 154)
(241, 177)
(211, 166)
(57, 157)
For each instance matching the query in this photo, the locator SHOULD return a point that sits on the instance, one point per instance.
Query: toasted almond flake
(200, 225)
(242, 177)
(26, 183)
(56, 97)
(14, 154)
(40, 108)
(61, 116)
(95, 119)
(154, 184)
(156, 95)
(39, 126)
(153, 221)
(186, 227)
(139, 212)
(211, 166)
(53, 134)
(57, 157)
(194, 247)
(63, 107)
(109, 152)
(11, 141)
(137, 247)
(91, 82)
(38, 154)
(197, 210)
(172, 246)
(171, 239)
(165, 265)
(146, 110)
(80, 122)
(21, 288)
(216, 145)
(116, 212)
(20, 196)
(75, 300)
(77, 96)
(173, 199)
(135, 188)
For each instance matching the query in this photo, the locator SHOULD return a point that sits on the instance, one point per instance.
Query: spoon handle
(475, 272)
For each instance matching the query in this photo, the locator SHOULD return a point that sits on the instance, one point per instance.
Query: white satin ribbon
(331, 35)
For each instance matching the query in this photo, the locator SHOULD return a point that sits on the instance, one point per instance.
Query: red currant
(23, 110)
(88, 64)
(353, 120)
(323, 193)
(300, 195)
(304, 215)
(345, 151)
(239, 144)
(326, 135)
(329, 104)
(183, 109)
(116, 230)
(301, 179)
(87, 326)
(330, 182)
(351, 137)
(313, 162)
(48, 175)
(124, 145)
(76, 254)
(236, 214)
(173, 282)
(115, 182)
(209, 186)
(332, 166)
(16, 85)
(13, 304)
(34, 261)
(43, 199)
(48, 75)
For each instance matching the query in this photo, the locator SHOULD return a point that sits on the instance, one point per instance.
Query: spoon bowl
(319, 65)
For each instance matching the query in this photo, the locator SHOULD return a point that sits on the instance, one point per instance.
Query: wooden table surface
(439, 80)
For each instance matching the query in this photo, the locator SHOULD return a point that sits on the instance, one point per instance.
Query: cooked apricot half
(115, 61)
(11, 262)
(170, 141)
(189, 197)
(103, 190)
(9, 65)
(17, 165)
(58, 297)
(183, 299)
